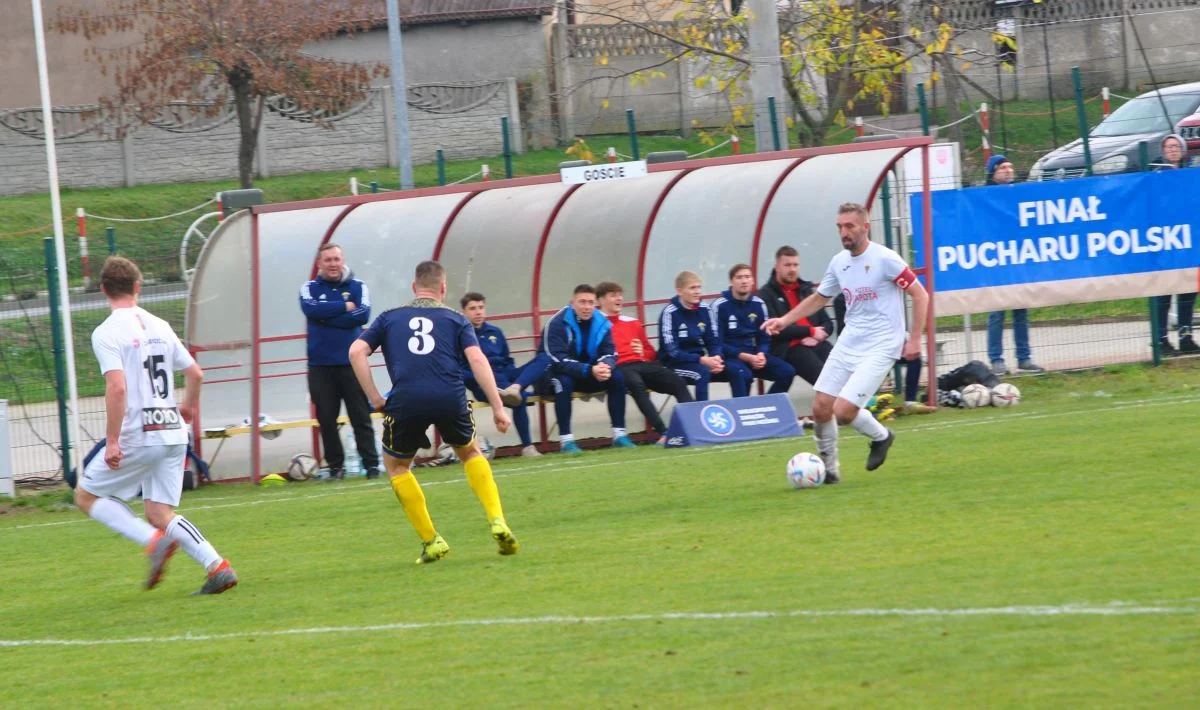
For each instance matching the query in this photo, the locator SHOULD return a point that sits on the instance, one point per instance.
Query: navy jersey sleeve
(375, 334)
(466, 334)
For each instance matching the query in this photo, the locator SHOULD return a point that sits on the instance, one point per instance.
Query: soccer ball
(805, 470)
(976, 395)
(301, 468)
(1005, 395)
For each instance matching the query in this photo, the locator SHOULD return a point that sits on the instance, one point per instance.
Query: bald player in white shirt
(146, 439)
(873, 280)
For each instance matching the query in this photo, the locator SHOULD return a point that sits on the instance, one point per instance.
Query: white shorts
(157, 470)
(854, 378)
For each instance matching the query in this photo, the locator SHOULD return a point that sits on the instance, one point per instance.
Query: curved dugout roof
(523, 243)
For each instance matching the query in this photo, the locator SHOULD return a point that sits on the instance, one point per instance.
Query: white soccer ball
(301, 468)
(1005, 395)
(976, 395)
(805, 470)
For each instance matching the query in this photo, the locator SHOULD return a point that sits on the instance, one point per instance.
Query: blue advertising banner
(723, 421)
(1046, 233)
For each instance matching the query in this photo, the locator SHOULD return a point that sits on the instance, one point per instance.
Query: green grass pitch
(1043, 556)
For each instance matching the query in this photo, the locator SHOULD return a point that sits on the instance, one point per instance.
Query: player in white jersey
(873, 279)
(146, 439)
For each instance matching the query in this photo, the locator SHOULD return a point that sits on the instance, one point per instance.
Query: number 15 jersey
(423, 345)
(144, 347)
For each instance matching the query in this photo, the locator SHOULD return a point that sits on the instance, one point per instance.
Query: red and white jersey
(145, 348)
(873, 284)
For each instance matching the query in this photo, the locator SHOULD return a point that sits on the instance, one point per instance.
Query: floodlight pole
(766, 74)
(400, 95)
(60, 252)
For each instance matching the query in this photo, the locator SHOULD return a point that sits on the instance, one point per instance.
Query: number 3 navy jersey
(423, 345)
(147, 351)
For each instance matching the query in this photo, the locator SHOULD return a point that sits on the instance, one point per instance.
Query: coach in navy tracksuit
(337, 306)
(738, 316)
(511, 380)
(690, 344)
(583, 359)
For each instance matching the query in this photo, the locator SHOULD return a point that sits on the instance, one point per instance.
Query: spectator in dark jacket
(738, 315)
(690, 345)
(1174, 155)
(337, 306)
(583, 359)
(804, 345)
(1000, 172)
(511, 380)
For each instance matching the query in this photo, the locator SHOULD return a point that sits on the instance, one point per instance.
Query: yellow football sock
(409, 493)
(479, 477)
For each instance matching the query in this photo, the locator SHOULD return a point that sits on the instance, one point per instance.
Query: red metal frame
(255, 350)
(441, 240)
(927, 216)
(762, 216)
(645, 246)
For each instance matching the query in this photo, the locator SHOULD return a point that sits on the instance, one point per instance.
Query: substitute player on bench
(873, 279)
(145, 440)
(422, 343)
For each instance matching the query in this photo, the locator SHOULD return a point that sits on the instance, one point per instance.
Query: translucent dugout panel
(706, 224)
(597, 236)
(218, 320)
(491, 247)
(804, 210)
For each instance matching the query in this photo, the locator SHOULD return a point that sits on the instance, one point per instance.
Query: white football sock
(826, 435)
(189, 538)
(866, 424)
(618, 433)
(564, 438)
(121, 519)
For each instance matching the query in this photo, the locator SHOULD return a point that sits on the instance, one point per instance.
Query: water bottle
(353, 463)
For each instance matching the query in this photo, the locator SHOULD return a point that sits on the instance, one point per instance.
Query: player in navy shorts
(423, 345)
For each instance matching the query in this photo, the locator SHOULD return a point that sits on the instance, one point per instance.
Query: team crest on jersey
(492, 338)
(867, 268)
(700, 326)
(753, 317)
(345, 295)
(137, 343)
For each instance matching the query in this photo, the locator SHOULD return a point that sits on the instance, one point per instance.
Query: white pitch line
(577, 466)
(1111, 609)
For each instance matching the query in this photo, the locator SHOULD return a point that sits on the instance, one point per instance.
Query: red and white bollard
(81, 221)
(1106, 97)
(858, 126)
(612, 154)
(737, 144)
(983, 124)
(220, 209)
(485, 173)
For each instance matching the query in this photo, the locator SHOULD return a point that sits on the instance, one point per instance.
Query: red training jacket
(624, 331)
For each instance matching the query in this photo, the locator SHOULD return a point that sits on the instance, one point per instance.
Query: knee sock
(479, 478)
(867, 425)
(826, 435)
(412, 499)
(189, 538)
(120, 519)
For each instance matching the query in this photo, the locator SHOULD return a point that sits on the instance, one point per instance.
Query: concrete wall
(154, 155)
(1091, 34)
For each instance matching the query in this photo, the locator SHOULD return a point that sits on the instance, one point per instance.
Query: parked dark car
(1114, 141)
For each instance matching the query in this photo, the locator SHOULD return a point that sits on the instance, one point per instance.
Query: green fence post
(632, 123)
(1083, 122)
(507, 146)
(110, 233)
(924, 107)
(374, 187)
(441, 166)
(886, 198)
(774, 123)
(58, 350)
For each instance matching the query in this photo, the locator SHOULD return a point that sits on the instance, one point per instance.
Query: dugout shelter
(524, 243)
